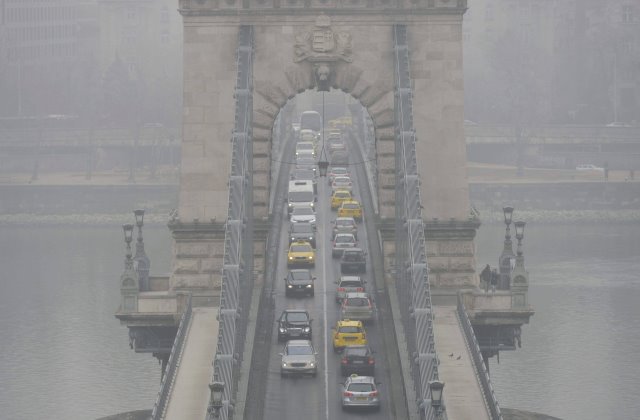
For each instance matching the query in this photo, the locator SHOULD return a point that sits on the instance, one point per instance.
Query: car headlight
(310, 257)
(289, 286)
(283, 330)
(290, 204)
(290, 258)
(284, 364)
(309, 286)
(311, 238)
(312, 364)
(306, 329)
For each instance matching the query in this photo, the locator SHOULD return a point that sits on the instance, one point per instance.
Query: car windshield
(342, 180)
(343, 239)
(352, 256)
(360, 387)
(301, 196)
(300, 275)
(356, 351)
(350, 206)
(297, 317)
(357, 302)
(301, 228)
(303, 174)
(304, 146)
(342, 194)
(305, 161)
(349, 329)
(350, 283)
(299, 350)
(301, 248)
(347, 223)
(303, 211)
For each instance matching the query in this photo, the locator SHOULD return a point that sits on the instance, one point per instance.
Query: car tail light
(373, 394)
(348, 394)
(371, 361)
(360, 289)
(344, 361)
(340, 289)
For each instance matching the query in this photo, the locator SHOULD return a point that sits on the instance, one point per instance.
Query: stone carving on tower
(323, 48)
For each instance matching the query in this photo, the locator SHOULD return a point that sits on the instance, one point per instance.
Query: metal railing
(170, 371)
(365, 140)
(412, 279)
(480, 367)
(237, 271)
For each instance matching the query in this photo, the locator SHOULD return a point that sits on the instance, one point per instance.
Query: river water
(63, 355)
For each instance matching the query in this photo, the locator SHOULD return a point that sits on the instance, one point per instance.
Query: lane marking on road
(326, 325)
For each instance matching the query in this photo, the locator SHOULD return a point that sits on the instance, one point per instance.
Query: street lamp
(144, 264)
(435, 393)
(323, 164)
(128, 236)
(504, 262)
(217, 393)
(519, 235)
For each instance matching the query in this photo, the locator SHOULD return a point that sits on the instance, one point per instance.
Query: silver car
(345, 225)
(299, 356)
(357, 306)
(303, 214)
(341, 183)
(360, 391)
(348, 284)
(342, 241)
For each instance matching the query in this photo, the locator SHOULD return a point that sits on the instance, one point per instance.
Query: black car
(357, 359)
(354, 260)
(299, 281)
(294, 324)
(302, 232)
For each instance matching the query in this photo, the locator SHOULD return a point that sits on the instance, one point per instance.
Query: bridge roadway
(318, 398)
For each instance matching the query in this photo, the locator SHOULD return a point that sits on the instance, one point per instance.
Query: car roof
(296, 310)
(300, 270)
(361, 379)
(349, 323)
(299, 343)
(344, 234)
(357, 295)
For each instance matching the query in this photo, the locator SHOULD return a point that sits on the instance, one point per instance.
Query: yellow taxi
(350, 208)
(348, 333)
(338, 197)
(301, 253)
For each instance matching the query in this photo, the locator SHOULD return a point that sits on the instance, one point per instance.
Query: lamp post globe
(435, 391)
(508, 214)
(139, 213)
(128, 232)
(519, 230)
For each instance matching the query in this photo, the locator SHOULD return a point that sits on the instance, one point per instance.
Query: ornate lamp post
(129, 287)
(520, 276)
(217, 395)
(435, 393)
(144, 264)
(504, 262)
(323, 164)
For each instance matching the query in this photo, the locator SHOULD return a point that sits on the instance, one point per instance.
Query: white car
(299, 356)
(342, 183)
(589, 167)
(303, 214)
(342, 241)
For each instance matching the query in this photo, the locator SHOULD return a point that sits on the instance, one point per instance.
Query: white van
(311, 120)
(300, 194)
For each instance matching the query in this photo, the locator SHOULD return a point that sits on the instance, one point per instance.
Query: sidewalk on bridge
(462, 393)
(190, 392)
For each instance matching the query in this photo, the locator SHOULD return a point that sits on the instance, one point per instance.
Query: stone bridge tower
(322, 44)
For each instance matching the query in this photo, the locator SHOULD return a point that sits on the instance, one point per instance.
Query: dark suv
(357, 359)
(354, 260)
(302, 231)
(294, 324)
(299, 282)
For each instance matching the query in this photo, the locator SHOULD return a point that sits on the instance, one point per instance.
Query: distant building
(44, 44)
(541, 61)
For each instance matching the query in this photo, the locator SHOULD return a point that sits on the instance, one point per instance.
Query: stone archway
(346, 74)
(297, 47)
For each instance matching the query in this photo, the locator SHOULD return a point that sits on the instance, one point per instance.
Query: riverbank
(107, 198)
